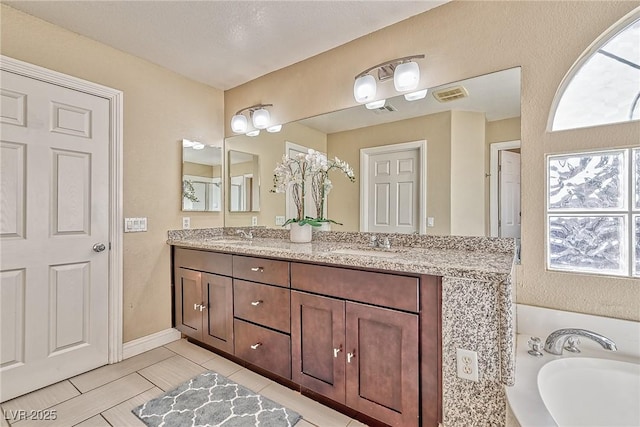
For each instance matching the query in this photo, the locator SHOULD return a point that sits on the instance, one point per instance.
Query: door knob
(99, 247)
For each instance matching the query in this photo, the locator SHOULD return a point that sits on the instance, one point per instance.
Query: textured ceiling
(224, 43)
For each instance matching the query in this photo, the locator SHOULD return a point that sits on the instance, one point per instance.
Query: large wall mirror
(468, 128)
(243, 181)
(201, 177)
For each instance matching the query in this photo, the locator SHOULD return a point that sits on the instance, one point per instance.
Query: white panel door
(54, 208)
(393, 186)
(509, 190)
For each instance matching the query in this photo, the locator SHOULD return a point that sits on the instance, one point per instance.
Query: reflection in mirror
(201, 177)
(244, 182)
(468, 127)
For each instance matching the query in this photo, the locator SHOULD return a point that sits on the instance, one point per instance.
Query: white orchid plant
(313, 167)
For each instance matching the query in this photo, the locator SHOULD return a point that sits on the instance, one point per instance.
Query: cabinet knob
(351, 356)
(258, 269)
(336, 351)
(256, 345)
(256, 303)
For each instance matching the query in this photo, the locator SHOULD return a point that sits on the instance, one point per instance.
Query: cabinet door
(217, 292)
(189, 304)
(382, 363)
(317, 340)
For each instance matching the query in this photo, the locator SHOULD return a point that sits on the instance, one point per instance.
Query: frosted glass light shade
(414, 96)
(364, 88)
(375, 104)
(254, 132)
(239, 123)
(406, 76)
(261, 118)
(274, 128)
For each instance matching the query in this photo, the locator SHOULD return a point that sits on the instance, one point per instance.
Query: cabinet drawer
(386, 290)
(263, 347)
(261, 270)
(263, 304)
(210, 262)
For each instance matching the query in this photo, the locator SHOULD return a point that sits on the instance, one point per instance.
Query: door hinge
(109, 245)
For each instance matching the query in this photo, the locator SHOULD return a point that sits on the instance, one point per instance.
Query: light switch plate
(135, 225)
(280, 220)
(430, 222)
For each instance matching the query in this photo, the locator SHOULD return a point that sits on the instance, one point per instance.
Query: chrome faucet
(556, 341)
(376, 242)
(244, 234)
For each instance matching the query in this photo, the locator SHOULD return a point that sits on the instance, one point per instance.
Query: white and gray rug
(213, 400)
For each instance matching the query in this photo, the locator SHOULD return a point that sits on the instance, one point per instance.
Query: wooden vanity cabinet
(360, 355)
(204, 301)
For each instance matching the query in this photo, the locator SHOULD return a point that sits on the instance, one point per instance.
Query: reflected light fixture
(254, 132)
(274, 128)
(414, 96)
(405, 73)
(375, 104)
(260, 118)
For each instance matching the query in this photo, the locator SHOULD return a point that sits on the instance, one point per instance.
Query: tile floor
(105, 396)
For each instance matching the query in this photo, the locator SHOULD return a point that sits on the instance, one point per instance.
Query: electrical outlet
(467, 364)
(186, 223)
(254, 221)
(430, 221)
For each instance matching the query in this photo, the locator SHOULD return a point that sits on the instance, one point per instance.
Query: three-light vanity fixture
(196, 145)
(406, 76)
(260, 119)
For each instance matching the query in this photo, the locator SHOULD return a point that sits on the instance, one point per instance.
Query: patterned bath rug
(213, 400)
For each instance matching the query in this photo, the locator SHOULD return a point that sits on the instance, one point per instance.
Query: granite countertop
(469, 264)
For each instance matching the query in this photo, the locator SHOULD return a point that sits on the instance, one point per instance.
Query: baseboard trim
(149, 342)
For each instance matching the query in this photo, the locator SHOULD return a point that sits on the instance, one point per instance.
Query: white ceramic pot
(300, 233)
(324, 226)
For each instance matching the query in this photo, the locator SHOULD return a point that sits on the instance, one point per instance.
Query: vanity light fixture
(198, 145)
(274, 128)
(254, 132)
(260, 118)
(405, 73)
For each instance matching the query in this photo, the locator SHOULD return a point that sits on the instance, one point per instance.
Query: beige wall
(466, 39)
(344, 199)
(467, 173)
(198, 169)
(160, 108)
(270, 147)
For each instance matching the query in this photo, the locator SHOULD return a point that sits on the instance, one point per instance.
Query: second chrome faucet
(556, 341)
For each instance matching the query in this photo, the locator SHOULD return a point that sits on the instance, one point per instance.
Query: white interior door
(54, 208)
(509, 188)
(393, 186)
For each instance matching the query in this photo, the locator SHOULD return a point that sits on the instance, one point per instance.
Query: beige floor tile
(171, 372)
(121, 415)
(43, 398)
(304, 423)
(191, 351)
(98, 377)
(356, 423)
(222, 366)
(96, 421)
(250, 379)
(94, 402)
(311, 411)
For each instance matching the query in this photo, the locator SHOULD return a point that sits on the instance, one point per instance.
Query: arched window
(603, 86)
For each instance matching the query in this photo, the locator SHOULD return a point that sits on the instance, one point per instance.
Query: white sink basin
(591, 392)
(365, 252)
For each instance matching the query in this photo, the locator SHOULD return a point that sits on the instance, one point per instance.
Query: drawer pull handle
(256, 345)
(351, 356)
(336, 351)
(256, 303)
(258, 269)
(199, 307)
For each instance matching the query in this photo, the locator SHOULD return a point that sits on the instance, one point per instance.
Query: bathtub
(596, 387)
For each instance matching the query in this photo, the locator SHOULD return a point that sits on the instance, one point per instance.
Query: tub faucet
(556, 340)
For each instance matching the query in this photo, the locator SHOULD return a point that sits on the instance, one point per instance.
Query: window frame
(629, 212)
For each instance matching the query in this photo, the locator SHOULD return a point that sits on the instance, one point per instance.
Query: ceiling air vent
(450, 94)
(387, 108)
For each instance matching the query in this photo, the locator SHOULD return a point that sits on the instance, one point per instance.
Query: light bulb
(406, 76)
(239, 123)
(254, 132)
(186, 143)
(364, 88)
(414, 96)
(274, 128)
(260, 118)
(375, 104)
